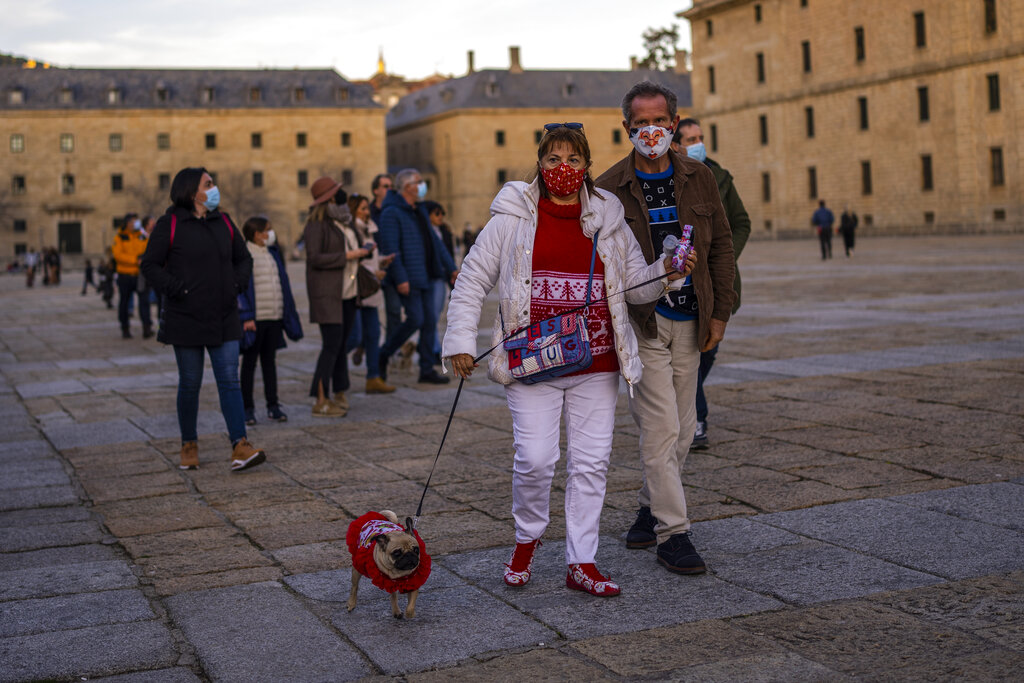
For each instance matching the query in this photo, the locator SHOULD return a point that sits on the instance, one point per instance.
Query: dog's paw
(396, 615)
(351, 605)
(410, 613)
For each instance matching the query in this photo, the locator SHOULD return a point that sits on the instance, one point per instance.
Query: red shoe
(585, 577)
(517, 571)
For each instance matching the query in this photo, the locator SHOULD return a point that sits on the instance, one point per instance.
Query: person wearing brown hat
(332, 260)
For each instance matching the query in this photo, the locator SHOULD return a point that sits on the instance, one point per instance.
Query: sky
(418, 37)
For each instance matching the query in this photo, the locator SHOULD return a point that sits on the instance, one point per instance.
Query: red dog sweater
(359, 538)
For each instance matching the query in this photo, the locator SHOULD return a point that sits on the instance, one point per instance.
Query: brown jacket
(699, 205)
(325, 270)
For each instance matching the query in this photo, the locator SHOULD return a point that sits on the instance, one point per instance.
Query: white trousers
(588, 402)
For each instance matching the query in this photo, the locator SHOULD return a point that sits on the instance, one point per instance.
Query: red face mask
(563, 180)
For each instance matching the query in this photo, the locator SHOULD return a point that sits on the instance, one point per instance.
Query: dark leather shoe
(678, 555)
(382, 366)
(433, 378)
(641, 534)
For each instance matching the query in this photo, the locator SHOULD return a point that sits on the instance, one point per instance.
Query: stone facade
(470, 135)
(906, 110)
(77, 157)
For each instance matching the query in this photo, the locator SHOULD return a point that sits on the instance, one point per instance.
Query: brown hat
(323, 189)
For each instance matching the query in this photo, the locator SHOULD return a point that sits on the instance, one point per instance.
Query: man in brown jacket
(662, 191)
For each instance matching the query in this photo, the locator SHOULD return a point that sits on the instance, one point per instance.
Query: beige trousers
(664, 407)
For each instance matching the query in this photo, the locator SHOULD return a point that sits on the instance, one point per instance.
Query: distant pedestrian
(267, 311)
(847, 226)
(382, 183)
(822, 221)
(107, 271)
(199, 263)
(436, 215)
(129, 245)
(31, 264)
(87, 279)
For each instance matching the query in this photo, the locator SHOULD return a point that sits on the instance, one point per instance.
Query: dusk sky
(418, 37)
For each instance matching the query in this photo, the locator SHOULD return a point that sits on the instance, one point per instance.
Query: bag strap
(174, 224)
(593, 256)
(231, 228)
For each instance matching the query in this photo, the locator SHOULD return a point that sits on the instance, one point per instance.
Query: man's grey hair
(404, 177)
(647, 89)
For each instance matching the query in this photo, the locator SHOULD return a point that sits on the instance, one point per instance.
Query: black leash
(462, 380)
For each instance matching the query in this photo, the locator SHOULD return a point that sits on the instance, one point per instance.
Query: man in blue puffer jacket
(419, 257)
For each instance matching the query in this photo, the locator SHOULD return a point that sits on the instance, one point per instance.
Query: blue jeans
(366, 333)
(224, 359)
(419, 315)
(707, 359)
(440, 287)
(392, 307)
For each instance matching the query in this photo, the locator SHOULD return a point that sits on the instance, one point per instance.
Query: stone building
(904, 110)
(81, 147)
(470, 135)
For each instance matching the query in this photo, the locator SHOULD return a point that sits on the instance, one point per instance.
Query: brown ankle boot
(189, 456)
(245, 455)
(375, 385)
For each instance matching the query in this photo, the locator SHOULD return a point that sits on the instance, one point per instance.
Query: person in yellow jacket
(128, 248)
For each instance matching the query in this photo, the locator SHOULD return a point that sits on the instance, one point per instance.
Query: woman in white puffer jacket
(537, 249)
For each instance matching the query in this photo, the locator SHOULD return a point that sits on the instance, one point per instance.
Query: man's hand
(249, 326)
(716, 331)
(462, 365)
(403, 288)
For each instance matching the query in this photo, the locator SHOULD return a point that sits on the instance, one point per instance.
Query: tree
(661, 46)
(147, 199)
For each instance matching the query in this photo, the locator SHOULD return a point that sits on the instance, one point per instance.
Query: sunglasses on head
(571, 125)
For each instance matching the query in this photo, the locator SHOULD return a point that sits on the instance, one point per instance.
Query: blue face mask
(421, 190)
(212, 198)
(697, 152)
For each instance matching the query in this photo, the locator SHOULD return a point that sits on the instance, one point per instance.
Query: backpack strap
(231, 228)
(174, 224)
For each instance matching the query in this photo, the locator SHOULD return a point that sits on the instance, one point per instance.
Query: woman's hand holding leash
(463, 365)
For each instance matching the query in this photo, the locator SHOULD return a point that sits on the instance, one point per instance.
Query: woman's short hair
(576, 139)
(254, 225)
(431, 206)
(185, 187)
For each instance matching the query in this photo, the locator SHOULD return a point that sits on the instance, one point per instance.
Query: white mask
(651, 141)
(271, 238)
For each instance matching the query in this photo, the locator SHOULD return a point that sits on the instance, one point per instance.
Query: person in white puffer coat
(537, 250)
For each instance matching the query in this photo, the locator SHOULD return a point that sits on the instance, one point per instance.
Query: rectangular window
(113, 96)
(760, 67)
(67, 95)
(999, 214)
(803, 3)
(812, 182)
(67, 184)
(163, 140)
(346, 139)
(766, 187)
(211, 141)
(116, 182)
(805, 48)
(762, 122)
(303, 178)
(206, 95)
(998, 179)
(20, 225)
(714, 137)
(616, 136)
(67, 142)
(257, 179)
(862, 108)
(990, 16)
(537, 135)
(994, 103)
(920, 37)
(757, 13)
(346, 176)
(299, 94)
(923, 110)
(163, 181)
(711, 28)
(116, 142)
(17, 143)
(929, 217)
(809, 117)
(865, 177)
(711, 79)
(860, 51)
(18, 184)
(502, 176)
(300, 139)
(927, 183)
(255, 95)
(499, 138)
(256, 140)
(161, 95)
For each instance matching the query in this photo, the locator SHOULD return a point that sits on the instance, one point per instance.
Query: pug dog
(391, 556)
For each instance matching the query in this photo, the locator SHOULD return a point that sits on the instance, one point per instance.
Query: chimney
(513, 60)
(632, 63)
(469, 59)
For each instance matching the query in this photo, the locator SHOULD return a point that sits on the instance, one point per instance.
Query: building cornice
(704, 8)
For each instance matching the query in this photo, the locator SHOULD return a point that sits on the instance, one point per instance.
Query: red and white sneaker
(517, 571)
(585, 577)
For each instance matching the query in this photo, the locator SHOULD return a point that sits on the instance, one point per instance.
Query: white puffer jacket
(266, 284)
(503, 256)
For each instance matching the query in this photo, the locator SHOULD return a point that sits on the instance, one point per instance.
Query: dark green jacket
(739, 221)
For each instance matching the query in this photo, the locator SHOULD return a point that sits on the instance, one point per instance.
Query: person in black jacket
(198, 261)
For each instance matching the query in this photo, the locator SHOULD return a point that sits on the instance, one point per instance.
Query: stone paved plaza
(861, 507)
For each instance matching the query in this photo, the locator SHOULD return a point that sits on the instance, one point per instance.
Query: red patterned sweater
(561, 264)
(359, 538)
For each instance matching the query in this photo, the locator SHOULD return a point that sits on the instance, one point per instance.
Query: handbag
(554, 347)
(367, 283)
